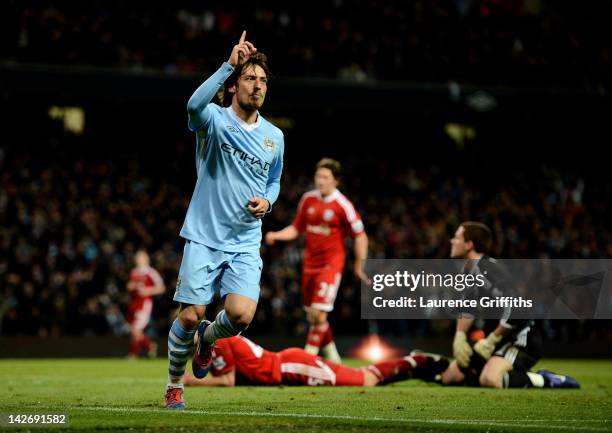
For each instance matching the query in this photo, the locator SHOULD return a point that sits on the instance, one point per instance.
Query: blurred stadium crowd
(69, 226)
(70, 223)
(503, 42)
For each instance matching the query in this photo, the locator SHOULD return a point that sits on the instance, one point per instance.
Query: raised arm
(197, 106)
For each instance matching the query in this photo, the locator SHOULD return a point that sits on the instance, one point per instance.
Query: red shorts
(319, 290)
(139, 314)
(299, 367)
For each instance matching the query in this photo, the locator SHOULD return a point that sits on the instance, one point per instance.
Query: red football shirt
(252, 363)
(147, 276)
(326, 222)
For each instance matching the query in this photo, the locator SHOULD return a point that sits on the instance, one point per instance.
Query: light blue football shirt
(234, 162)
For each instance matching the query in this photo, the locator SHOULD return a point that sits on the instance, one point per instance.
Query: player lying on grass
(239, 361)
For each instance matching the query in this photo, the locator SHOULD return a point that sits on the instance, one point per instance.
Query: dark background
(522, 87)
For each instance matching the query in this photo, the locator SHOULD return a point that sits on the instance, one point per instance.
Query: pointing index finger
(243, 37)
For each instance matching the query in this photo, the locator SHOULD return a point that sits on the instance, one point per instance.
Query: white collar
(246, 126)
(333, 196)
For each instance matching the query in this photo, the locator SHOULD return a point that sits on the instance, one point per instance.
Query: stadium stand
(502, 42)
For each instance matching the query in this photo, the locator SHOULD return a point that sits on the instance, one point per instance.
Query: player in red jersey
(145, 282)
(327, 217)
(239, 361)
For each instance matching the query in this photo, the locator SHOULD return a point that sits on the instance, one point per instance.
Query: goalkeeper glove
(461, 349)
(486, 346)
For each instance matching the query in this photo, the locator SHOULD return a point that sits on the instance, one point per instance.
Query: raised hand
(241, 51)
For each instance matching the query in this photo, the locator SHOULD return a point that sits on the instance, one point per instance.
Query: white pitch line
(116, 381)
(497, 423)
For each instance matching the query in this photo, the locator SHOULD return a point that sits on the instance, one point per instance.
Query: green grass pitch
(121, 395)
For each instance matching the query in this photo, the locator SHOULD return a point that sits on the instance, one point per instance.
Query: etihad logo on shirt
(252, 161)
(319, 230)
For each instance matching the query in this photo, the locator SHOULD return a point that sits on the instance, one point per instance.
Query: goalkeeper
(511, 347)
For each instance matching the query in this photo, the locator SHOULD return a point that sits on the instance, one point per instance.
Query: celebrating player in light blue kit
(239, 160)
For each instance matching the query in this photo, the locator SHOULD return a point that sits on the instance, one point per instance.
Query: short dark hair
(331, 164)
(479, 234)
(259, 59)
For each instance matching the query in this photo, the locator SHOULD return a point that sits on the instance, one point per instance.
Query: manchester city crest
(269, 144)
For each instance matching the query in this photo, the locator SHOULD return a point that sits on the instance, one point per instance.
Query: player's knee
(240, 310)
(490, 379)
(189, 319)
(243, 321)
(240, 318)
